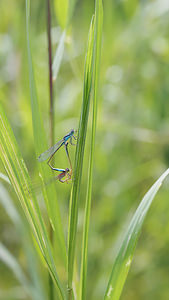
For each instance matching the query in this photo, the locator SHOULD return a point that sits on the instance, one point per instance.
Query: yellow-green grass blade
(124, 258)
(20, 180)
(64, 11)
(61, 9)
(88, 74)
(40, 146)
(97, 49)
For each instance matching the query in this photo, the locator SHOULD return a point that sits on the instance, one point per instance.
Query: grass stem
(51, 116)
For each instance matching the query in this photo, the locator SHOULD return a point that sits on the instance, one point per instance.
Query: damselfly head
(72, 132)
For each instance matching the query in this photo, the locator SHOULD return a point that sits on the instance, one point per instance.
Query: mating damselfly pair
(65, 174)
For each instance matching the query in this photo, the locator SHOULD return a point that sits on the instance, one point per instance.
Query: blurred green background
(132, 145)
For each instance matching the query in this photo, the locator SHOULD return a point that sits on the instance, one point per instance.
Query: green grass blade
(61, 9)
(88, 74)
(19, 178)
(64, 11)
(125, 255)
(41, 145)
(98, 34)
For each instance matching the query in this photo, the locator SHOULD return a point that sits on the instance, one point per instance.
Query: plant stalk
(51, 116)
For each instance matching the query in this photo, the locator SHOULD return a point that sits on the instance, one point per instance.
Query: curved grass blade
(97, 49)
(19, 177)
(41, 145)
(124, 258)
(88, 75)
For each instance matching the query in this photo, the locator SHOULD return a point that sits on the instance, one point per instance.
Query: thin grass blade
(19, 177)
(88, 75)
(41, 145)
(124, 258)
(97, 49)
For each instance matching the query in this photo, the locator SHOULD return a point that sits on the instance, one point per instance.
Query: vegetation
(102, 71)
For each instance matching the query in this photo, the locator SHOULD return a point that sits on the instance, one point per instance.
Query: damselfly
(51, 151)
(64, 176)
